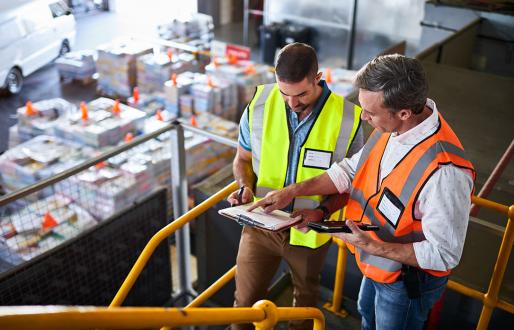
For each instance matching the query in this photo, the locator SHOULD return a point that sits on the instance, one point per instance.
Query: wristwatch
(324, 209)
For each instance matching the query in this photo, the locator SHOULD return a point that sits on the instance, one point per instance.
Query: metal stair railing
(264, 315)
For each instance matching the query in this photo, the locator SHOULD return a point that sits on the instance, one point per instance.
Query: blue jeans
(387, 306)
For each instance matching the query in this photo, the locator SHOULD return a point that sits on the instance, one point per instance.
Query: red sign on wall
(242, 53)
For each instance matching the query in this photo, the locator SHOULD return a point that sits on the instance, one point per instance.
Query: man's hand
(401, 252)
(274, 200)
(246, 196)
(307, 216)
(357, 237)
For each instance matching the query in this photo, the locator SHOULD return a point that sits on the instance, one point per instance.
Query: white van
(32, 35)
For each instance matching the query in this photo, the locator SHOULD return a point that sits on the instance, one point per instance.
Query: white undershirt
(443, 204)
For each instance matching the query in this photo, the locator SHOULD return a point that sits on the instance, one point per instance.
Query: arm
(242, 166)
(243, 173)
(444, 205)
(278, 199)
(332, 203)
(337, 179)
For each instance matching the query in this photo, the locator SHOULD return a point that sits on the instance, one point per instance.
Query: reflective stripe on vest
(405, 181)
(333, 131)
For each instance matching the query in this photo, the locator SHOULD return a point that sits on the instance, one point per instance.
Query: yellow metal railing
(163, 234)
(264, 315)
(489, 299)
(335, 306)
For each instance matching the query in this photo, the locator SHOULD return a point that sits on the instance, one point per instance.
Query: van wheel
(65, 48)
(14, 81)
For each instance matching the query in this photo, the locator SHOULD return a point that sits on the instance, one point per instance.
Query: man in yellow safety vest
(291, 131)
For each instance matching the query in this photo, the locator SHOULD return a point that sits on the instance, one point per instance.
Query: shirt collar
(420, 131)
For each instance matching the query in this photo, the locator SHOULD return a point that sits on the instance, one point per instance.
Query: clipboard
(275, 221)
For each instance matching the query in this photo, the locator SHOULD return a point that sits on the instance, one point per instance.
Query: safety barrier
(264, 315)
(489, 299)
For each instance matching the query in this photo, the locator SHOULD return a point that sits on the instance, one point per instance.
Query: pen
(240, 194)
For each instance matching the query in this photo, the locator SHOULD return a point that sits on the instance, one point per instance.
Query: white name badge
(317, 159)
(390, 207)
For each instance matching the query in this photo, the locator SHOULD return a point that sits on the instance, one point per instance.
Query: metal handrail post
(335, 306)
(491, 297)
(180, 207)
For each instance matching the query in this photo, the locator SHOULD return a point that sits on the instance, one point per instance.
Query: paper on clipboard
(274, 221)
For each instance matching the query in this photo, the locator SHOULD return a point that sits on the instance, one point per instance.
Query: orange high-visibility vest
(390, 204)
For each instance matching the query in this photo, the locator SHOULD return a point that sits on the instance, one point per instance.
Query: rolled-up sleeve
(342, 173)
(444, 205)
(244, 131)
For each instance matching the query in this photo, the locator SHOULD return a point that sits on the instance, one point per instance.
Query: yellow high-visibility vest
(328, 141)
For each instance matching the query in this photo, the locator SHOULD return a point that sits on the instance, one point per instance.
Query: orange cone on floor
(29, 109)
(158, 115)
(135, 94)
(100, 165)
(83, 111)
(328, 75)
(174, 79)
(193, 121)
(249, 69)
(129, 137)
(170, 54)
(232, 59)
(116, 107)
(210, 83)
(215, 62)
(49, 221)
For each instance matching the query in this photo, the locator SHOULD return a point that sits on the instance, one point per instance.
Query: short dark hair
(296, 62)
(400, 78)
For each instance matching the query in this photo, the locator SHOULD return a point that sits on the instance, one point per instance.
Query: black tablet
(337, 227)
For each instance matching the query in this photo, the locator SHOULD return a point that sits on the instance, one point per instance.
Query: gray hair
(401, 79)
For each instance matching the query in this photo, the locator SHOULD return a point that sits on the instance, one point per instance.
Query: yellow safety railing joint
(270, 315)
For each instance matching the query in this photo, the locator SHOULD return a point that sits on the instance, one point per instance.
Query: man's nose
(292, 101)
(364, 116)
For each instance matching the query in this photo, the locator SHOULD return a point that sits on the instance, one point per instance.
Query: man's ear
(318, 77)
(404, 114)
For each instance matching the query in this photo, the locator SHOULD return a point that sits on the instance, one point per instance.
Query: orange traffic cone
(116, 107)
(210, 83)
(328, 76)
(83, 111)
(129, 137)
(215, 62)
(158, 115)
(232, 59)
(193, 121)
(29, 109)
(49, 221)
(135, 94)
(100, 165)
(249, 69)
(174, 79)
(170, 54)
